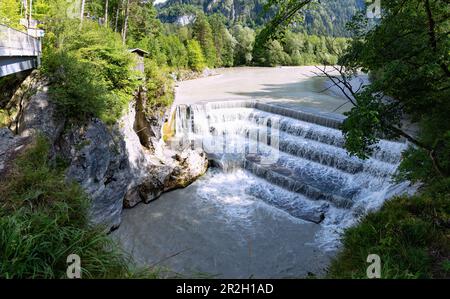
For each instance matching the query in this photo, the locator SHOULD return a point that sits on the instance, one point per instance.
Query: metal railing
(17, 43)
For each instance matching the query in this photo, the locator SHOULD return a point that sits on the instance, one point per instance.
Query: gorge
(281, 188)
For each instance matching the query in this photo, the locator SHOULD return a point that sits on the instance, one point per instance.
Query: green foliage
(92, 72)
(275, 54)
(224, 42)
(142, 21)
(408, 56)
(327, 18)
(245, 39)
(75, 87)
(301, 49)
(10, 13)
(43, 220)
(203, 34)
(159, 84)
(176, 53)
(367, 115)
(195, 55)
(410, 234)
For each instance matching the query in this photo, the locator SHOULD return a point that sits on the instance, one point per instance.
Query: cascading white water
(293, 160)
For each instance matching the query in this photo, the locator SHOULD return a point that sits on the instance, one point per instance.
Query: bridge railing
(16, 43)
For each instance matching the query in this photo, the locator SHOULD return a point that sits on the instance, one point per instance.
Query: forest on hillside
(329, 18)
(222, 40)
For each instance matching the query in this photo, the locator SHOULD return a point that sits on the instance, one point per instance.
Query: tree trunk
(82, 13)
(30, 13)
(25, 5)
(125, 25)
(117, 17)
(106, 13)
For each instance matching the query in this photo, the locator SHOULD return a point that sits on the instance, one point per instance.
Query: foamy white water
(312, 177)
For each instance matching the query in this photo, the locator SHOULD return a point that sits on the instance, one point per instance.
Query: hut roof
(138, 51)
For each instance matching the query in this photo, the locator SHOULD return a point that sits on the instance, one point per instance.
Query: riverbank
(290, 85)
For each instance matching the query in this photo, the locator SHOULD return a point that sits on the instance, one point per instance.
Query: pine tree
(203, 34)
(195, 55)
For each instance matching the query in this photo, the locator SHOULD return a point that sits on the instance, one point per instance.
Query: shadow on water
(312, 92)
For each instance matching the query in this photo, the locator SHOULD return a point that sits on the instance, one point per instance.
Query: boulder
(190, 164)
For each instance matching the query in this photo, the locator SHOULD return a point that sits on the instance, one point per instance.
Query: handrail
(17, 43)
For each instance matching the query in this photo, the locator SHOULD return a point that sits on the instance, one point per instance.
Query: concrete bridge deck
(18, 51)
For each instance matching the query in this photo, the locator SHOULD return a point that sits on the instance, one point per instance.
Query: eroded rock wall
(116, 165)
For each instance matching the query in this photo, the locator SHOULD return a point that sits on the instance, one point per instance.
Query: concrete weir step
(286, 178)
(329, 120)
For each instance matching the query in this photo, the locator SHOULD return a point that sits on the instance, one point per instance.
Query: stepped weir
(298, 154)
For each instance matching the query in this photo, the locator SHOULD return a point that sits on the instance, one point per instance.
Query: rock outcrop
(98, 162)
(115, 165)
(10, 146)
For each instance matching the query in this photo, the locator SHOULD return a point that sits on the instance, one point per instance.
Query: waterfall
(296, 156)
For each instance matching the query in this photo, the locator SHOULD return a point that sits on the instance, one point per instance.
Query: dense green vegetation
(410, 234)
(407, 56)
(43, 220)
(10, 13)
(223, 42)
(90, 70)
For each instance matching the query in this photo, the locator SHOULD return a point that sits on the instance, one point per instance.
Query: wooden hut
(140, 58)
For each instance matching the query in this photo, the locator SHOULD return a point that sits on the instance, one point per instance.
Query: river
(247, 217)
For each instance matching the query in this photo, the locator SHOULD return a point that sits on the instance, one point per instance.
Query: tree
(408, 59)
(203, 34)
(176, 53)
(125, 24)
(83, 2)
(142, 21)
(195, 55)
(275, 54)
(245, 39)
(10, 13)
(224, 42)
(287, 11)
(106, 12)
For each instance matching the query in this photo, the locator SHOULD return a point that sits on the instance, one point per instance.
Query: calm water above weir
(282, 188)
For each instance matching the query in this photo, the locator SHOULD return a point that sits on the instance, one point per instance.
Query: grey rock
(100, 166)
(151, 171)
(10, 146)
(39, 114)
(32, 110)
(116, 166)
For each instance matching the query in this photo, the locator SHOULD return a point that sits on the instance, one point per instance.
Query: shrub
(410, 234)
(92, 72)
(160, 91)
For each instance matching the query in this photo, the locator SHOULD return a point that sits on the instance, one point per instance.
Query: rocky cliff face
(116, 166)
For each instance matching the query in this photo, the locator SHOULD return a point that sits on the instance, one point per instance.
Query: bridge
(18, 51)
